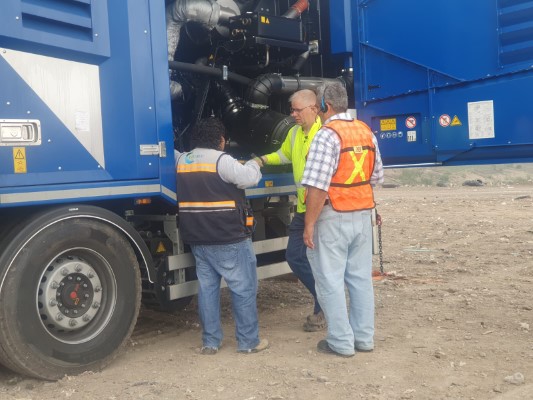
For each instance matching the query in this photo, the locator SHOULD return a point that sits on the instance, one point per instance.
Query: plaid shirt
(323, 157)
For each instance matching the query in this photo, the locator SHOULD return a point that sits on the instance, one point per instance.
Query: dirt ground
(453, 321)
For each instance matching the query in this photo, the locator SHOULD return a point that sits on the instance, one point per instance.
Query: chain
(380, 246)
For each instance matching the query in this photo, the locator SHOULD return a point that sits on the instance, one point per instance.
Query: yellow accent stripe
(207, 204)
(184, 168)
(358, 167)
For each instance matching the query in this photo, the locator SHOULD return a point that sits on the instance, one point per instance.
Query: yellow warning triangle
(19, 155)
(160, 248)
(456, 121)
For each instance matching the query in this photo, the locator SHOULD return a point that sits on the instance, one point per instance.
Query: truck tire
(69, 294)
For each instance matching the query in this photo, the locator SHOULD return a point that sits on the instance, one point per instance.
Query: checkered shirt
(323, 157)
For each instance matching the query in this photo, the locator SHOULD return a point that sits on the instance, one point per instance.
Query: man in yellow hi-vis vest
(294, 151)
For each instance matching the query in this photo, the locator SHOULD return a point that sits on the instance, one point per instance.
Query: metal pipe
(296, 9)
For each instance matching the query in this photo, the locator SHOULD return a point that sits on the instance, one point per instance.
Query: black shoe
(364, 350)
(323, 347)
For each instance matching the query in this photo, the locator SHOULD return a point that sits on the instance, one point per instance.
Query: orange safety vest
(350, 188)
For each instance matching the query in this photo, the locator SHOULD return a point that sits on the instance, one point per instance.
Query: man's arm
(314, 204)
(242, 176)
(283, 155)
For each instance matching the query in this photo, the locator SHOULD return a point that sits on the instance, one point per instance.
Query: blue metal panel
(130, 57)
(432, 61)
(54, 26)
(341, 27)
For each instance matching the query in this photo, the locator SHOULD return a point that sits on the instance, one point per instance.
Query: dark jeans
(297, 258)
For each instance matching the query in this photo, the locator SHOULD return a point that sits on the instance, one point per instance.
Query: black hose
(205, 70)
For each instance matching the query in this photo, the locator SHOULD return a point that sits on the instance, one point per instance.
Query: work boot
(208, 350)
(315, 322)
(263, 345)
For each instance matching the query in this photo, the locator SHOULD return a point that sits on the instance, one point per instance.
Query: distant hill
(490, 175)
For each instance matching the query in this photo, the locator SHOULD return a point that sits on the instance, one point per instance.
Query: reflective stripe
(76, 194)
(249, 221)
(184, 168)
(207, 204)
(358, 167)
(282, 157)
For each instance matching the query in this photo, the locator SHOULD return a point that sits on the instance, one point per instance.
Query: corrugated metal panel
(66, 18)
(516, 31)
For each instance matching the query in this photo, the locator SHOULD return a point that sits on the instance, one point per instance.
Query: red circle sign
(410, 122)
(445, 120)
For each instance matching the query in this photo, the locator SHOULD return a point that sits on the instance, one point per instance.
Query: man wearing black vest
(215, 221)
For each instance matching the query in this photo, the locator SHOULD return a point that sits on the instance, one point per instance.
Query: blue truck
(96, 95)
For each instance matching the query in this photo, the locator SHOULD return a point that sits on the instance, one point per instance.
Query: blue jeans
(297, 258)
(236, 263)
(343, 256)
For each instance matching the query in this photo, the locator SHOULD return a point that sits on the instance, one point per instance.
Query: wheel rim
(76, 295)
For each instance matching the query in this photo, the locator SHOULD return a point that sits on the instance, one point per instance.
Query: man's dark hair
(207, 133)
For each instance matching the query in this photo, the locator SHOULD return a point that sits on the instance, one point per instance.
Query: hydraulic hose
(211, 71)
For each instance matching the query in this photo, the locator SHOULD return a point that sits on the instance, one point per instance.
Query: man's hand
(308, 236)
(259, 161)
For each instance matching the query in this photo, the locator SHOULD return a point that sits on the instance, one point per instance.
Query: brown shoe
(263, 345)
(315, 322)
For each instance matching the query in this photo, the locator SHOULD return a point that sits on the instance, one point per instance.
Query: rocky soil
(454, 320)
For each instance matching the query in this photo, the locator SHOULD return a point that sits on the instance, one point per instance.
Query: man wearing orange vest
(342, 166)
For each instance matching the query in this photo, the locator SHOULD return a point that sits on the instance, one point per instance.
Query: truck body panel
(443, 82)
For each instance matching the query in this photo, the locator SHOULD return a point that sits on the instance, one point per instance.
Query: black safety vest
(211, 211)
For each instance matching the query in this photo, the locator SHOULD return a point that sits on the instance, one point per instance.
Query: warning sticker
(160, 248)
(444, 120)
(456, 121)
(19, 160)
(410, 122)
(264, 20)
(388, 124)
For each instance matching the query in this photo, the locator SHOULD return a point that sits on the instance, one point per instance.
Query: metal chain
(380, 246)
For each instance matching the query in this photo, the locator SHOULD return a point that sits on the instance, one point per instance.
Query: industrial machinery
(96, 95)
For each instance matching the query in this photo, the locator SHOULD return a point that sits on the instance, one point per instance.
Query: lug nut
(97, 288)
(77, 267)
(54, 285)
(64, 272)
(90, 274)
(59, 317)
(73, 322)
(53, 302)
(96, 304)
(86, 318)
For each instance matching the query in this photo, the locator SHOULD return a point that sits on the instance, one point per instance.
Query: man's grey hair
(306, 95)
(335, 94)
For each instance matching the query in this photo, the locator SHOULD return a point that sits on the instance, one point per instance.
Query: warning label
(388, 124)
(444, 120)
(456, 121)
(19, 160)
(410, 122)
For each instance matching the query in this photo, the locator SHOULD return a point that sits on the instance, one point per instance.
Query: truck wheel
(69, 295)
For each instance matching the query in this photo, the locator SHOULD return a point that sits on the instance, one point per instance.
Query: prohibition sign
(410, 122)
(445, 120)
